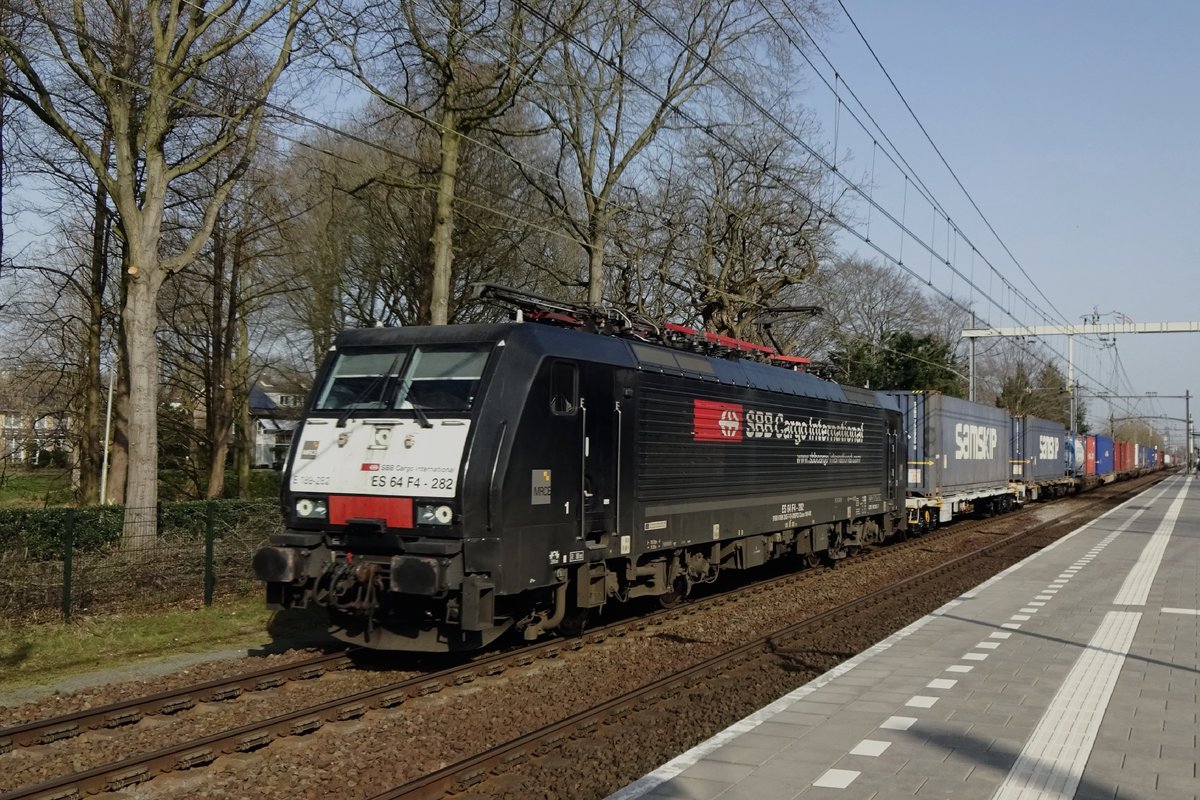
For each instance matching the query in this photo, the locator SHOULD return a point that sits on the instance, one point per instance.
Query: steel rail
(252, 736)
(171, 701)
(470, 772)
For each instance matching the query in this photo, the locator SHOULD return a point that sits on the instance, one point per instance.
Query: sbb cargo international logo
(716, 422)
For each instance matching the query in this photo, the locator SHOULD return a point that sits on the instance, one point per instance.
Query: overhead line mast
(1071, 331)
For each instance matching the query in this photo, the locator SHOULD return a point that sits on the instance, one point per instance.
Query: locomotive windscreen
(426, 378)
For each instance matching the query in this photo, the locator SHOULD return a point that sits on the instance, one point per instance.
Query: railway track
(253, 736)
(495, 773)
(128, 712)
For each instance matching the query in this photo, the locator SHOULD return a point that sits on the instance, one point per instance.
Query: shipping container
(954, 445)
(1089, 455)
(1037, 449)
(1076, 454)
(1104, 455)
(1123, 457)
(1016, 448)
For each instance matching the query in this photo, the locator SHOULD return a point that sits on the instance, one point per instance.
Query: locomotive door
(893, 462)
(600, 447)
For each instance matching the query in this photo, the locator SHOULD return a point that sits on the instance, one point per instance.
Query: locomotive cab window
(441, 379)
(361, 380)
(564, 388)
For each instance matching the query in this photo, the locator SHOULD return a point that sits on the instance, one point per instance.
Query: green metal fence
(59, 563)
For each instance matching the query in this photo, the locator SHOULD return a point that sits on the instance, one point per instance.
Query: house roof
(259, 401)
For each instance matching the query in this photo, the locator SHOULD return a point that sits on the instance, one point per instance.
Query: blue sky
(1075, 126)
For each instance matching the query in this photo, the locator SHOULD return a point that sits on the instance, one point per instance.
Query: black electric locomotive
(450, 483)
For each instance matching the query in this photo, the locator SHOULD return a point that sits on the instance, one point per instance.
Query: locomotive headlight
(310, 509)
(435, 515)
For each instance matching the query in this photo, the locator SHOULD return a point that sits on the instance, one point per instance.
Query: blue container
(1104, 455)
(1038, 450)
(954, 445)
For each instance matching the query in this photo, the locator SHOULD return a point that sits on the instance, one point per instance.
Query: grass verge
(42, 655)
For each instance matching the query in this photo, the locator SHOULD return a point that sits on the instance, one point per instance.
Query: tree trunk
(219, 413)
(443, 221)
(118, 456)
(595, 250)
(91, 423)
(91, 432)
(141, 489)
(244, 437)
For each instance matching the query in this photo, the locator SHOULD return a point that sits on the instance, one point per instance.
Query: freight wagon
(1038, 459)
(957, 458)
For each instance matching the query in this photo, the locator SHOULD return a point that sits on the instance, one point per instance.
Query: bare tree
(458, 66)
(757, 225)
(625, 74)
(207, 310)
(143, 69)
(862, 300)
(360, 219)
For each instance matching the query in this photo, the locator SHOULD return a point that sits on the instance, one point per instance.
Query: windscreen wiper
(422, 417)
(381, 381)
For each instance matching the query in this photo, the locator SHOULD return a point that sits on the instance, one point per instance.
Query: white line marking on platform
(921, 701)
(1136, 588)
(836, 778)
(975, 656)
(1020, 617)
(1055, 754)
(1000, 635)
(682, 762)
(870, 747)
(959, 668)
(898, 723)
(1195, 612)
(988, 645)
(941, 683)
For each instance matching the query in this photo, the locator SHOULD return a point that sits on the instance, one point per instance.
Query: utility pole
(1187, 430)
(1071, 331)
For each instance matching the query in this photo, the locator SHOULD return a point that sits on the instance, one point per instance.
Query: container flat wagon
(958, 458)
(1038, 459)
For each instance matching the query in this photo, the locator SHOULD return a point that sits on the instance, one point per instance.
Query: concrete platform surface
(1071, 675)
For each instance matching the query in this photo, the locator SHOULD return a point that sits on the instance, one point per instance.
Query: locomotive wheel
(575, 622)
(812, 559)
(671, 599)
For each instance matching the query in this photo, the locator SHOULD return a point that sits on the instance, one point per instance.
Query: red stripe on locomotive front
(396, 512)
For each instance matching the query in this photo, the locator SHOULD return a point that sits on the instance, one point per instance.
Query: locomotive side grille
(676, 461)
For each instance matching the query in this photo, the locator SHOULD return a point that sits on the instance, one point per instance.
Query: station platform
(1073, 674)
